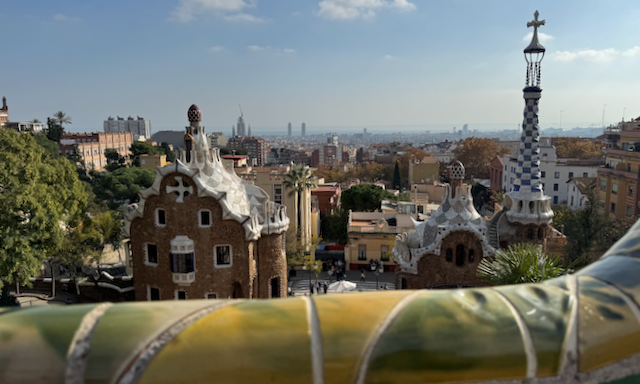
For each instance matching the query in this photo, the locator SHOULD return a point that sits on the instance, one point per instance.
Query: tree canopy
(576, 148)
(54, 130)
(166, 149)
(227, 151)
(476, 154)
(50, 146)
(40, 196)
(123, 184)
(141, 148)
(364, 198)
(397, 180)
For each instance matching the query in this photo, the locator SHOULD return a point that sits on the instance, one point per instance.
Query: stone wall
(182, 220)
(531, 234)
(434, 271)
(272, 263)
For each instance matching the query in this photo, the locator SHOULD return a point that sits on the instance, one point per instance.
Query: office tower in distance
(249, 131)
(241, 131)
(465, 130)
(233, 131)
(289, 129)
(304, 129)
(139, 127)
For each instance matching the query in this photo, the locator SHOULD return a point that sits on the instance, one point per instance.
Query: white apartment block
(139, 127)
(555, 173)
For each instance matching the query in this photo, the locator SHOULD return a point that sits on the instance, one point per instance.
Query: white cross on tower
(535, 23)
(180, 189)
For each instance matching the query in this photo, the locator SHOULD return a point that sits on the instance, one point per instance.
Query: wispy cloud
(60, 18)
(264, 48)
(186, 10)
(216, 49)
(244, 17)
(353, 9)
(543, 37)
(596, 55)
(389, 57)
(632, 52)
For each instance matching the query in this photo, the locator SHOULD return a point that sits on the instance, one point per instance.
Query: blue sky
(330, 63)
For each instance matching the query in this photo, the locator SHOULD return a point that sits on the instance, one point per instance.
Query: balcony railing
(184, 278)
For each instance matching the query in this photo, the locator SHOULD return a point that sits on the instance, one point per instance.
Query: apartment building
(618, 181)
(555, 173)
(91, 146)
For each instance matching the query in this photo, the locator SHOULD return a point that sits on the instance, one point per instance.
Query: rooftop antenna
(240, 106)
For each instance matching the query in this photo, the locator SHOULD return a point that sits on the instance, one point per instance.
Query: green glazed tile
(545, 310)
(348, 322)
(608, 330)
(628, 245)
(249, 342)
(34, 342)
(626, 380)
(621, 271)
(450, 336)
(127, 328)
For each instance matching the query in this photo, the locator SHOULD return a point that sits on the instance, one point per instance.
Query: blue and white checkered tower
(527, 203)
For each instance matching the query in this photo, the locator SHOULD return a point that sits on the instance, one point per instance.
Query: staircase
(493, 229)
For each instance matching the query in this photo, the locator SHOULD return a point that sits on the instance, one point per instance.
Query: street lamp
(377, 270)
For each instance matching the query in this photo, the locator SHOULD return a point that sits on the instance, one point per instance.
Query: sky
(329, 63)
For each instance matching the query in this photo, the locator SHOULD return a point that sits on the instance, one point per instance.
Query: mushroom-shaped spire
(194, 114)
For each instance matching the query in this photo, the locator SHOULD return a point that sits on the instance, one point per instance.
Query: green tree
(39, 196)
(123, 184)
(582, 228)
(61, 118)
(141, 148)
(520, 263)
(397, 180)
(171, 155)
(114, 159)
(54, 130)
(299, 252)
(364, 198)
(298, 180)
(334, 227)
(50, 146)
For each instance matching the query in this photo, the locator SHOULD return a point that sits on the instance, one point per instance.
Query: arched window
(471, 256)
(530, 234)
(403, 283)
(540, 233)
(449, 254)
(460, 255)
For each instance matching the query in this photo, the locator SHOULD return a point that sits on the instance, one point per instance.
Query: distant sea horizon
(374, 129)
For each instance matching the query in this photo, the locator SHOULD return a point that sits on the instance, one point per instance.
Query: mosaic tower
(528, 204)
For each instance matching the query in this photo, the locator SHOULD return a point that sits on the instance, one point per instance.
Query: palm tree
(520, 263)
(61, 118)
(298, 179)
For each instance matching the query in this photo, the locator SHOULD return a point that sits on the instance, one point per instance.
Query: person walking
(310, 288)
(325, 287)
(362, 276)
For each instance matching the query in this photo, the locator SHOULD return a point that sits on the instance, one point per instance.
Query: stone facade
(200, 232)
(455, 267)
(445, 251)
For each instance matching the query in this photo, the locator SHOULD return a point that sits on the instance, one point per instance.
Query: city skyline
(388, 63)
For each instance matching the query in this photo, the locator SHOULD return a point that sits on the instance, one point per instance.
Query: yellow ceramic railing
(580, 328)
